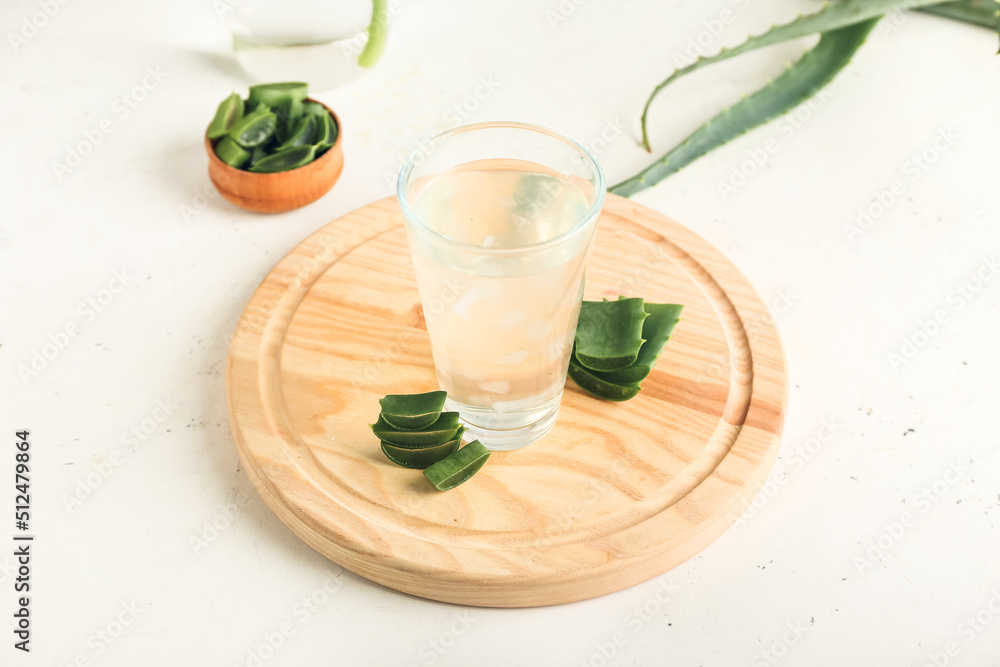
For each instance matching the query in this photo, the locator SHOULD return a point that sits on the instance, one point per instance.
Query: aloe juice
(500, 301)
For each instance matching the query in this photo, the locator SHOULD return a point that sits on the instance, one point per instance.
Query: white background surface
(131, 542)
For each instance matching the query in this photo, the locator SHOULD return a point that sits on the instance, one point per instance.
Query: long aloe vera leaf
(979, 12)
(831, 17)
(798, 83)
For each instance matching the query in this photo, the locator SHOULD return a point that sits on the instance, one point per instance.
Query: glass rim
(424, 149)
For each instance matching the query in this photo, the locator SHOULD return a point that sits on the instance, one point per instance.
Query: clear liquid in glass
(501, 324)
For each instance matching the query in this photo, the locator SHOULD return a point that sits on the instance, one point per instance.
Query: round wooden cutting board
(615, 494)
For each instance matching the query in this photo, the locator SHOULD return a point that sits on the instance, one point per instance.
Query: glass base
(516, 435)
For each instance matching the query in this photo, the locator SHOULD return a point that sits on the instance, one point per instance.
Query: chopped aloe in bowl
(277, 128)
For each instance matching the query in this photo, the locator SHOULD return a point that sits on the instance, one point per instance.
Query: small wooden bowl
(281, 191)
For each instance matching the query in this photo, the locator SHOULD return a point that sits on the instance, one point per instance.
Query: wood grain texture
(283, 190)
(615, 494)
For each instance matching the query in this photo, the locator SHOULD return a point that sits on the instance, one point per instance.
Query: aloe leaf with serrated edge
(798, 83)
(978, 12)
(831, 17)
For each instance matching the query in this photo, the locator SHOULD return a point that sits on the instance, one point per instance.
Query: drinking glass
(500, 218)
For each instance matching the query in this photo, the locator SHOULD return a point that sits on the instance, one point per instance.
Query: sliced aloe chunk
(287, 113)
(231, 152)
(420, 458)
(445, 428)
(412, 412)
(595, 386)
(324, 146)
(229, 111)
(254, 129)
(273, 94)
(656, 329)
(323, 128)
(285, 160)
(314, 109)
(256, 156)
(302, 133)
(459, 467)
(609, 333)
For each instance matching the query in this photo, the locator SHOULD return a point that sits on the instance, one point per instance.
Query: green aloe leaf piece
(257, 155)
(378, 30)
(421, 458)
(595, 386)
(978, 12)
(322, 126)
(831, 17)
(799, 82)
(231, 152)
(285, 160)
(287, 113)
(254, 129)
(331, 136)
(314, 109)
(663, 317)
(412, 412)
(302, 134)
(230, 110)
(459, 467)
(273, 94)
(609, 333)
(445, 428)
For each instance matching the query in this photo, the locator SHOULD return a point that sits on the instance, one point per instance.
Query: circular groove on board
(636, 499)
